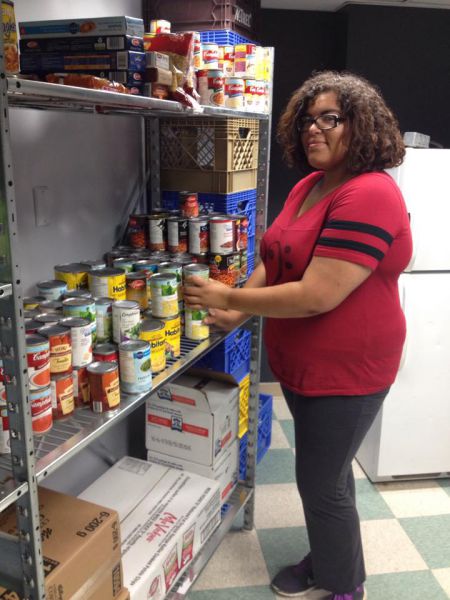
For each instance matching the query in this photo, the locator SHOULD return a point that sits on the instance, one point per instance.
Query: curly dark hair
(375, 139)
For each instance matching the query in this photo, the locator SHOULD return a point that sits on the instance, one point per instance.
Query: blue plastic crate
(230, 356)
(251, 247)
(223, 37)
(250, 265)
(264, 434)
(170, 200)
(243, 457)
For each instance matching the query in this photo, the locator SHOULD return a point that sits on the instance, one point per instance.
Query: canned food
(4, 428)
(117, 252)
(150, 267)
(201, 259)
(242, 241)
(199, 235)
(196, 269)
(126, 319)
(243, 266)
(225, 268)
(135, 366)
(197, 51)
(234, 92)
(103, 316)
(177, 235)
(10, 46)
(81, 386)
(94, 265)
(125, 263)
(250, 94)
(38, 361)
(74, 274)
(83, 308)
(104, 386)
(32, 326)
(164, 295)
(177, 270)
(108, 283)
(77, 294)
(157, 233)
(211, 87)
(137, 231)
(51, 307)
(52, 290)
(182, 259)
(60, 348)
(47, 319)
(28, 315)
(194, 328)
(41, 410)
(245, 60)
(105, 353)
(172, 332)
(153, 332)
(189, 206)
(63, 403)
(31, 303)
(136, 291)
(159, 256)
(210, 55)
(222, 235)
(81, 335)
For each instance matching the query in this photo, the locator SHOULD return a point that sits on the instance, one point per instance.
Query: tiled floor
(405, 528)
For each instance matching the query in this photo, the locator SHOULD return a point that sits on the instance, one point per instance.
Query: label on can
(137, 231)
(189, 206)
(198, 236)
(135, 367)
(234, 92)
(38, 360)
(104, 386)
(210, 55)
(52, 290)
(103, 316)
(108, 283)
(83, 308)
(222, 235)
(137, 288)
(81, 386)
(81, 335)
(225, 268)
(211, 87)
(74, 274)
(62, 396)
(41, 410)
(172, 331)
(60, 348)
(177, 235)
(157, 232)
(194, 328)
(153, 332)
(126, 320)
(164, 295)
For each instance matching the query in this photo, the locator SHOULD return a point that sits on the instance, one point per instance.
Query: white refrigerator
(410, 438)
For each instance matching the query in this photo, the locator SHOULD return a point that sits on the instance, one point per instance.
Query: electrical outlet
(42, 206)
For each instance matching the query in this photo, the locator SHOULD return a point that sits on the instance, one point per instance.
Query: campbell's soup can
(157, 232)
(137, 288)
(210, 56)
(74, 274)
(135, 366)
(222, 235)
(108, 283)
(153, 332)
(245, 60)
(126, 317)
(59, 339)
(194, 327)
(177, 235)
(83, 308)
(137, 231)
(250, 94)
(81, 335)
(63, 402)
(211, 87)
(41, 410)
(234, 92)
(189, 206)
(81, 386)
(172, 332)
(199, 235)
(103, 317)
(52, 290)
(38, 360)
(105, 353)
(5, 447)
(164, 295)
(104, 386)
(197, 54)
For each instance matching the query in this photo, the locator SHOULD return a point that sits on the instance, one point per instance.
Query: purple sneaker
(295, 581)
(358, 594)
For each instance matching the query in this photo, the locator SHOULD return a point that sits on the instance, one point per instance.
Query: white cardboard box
(226, 471)
(194, 418)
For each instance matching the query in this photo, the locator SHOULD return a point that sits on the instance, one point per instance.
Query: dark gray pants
(328, 433)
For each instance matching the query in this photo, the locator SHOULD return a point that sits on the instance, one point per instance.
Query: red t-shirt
(355, 348)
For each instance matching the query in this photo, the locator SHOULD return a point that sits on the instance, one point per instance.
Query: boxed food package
(158, 60)
(193, 418)
(107, 586)
(82, 27)
(225, 471)
(81, 44)
(80, 542)
(167, 516)
(157, 75)
(49, 62)
(156, 90)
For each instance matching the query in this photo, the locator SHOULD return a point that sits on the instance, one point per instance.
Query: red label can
(105, 353)
(41, 410)
(189, 206)
(59, 340)
(62, 395)
(104, 386)
(222, 234)
(198, 235)
(177, 235)
(38, 360)
(137, 231)
(80, 386)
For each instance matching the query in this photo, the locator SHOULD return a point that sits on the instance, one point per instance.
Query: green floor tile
(283, 546)
(241, 593)
(445, 484)
(277, 466)
(414, 585)
(431, 537)
(370, 502)
(288, 428)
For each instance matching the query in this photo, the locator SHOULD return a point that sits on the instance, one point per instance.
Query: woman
(335, 329)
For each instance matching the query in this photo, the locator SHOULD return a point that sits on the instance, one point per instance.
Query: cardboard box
(54, 62)
(81, 44)
(193, 418)
(80, 541)
(226, 471)
(124, 595)
(82, 27)
(158, 60)
(158, 75)
(107, 586)
(156, 90)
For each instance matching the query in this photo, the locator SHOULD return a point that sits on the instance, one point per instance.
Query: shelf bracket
(11, 576)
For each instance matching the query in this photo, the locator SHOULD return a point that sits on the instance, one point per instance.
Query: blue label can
(135, 366)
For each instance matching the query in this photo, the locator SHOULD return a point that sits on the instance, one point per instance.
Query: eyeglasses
(322, 122)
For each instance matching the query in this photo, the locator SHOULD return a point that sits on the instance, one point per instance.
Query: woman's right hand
(226, 320)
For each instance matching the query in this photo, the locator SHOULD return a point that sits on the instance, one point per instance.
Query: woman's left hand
(199, 293)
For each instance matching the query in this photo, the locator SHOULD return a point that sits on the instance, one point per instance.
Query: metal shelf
(234, 505)
(25, 93)
(9, 491)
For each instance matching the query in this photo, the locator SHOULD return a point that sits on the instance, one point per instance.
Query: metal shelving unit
(32, 459)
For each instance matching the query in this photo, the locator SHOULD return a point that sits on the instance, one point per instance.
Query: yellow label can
(74, 274)
(153, 332)
(173, 337)
(108, 283)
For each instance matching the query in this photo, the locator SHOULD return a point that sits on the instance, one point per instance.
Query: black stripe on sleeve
(362, 227)
(351, 245)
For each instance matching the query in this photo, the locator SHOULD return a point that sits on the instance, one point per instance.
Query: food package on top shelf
(86, 81)
(156, 90)
(157, 75)
(57, 28)
(82, 44)
(160, 26)
(76, 551)
(50, 62)
(10, 37)
(158, 60)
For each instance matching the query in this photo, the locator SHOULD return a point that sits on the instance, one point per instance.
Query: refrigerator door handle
(415, 241)
(402, 292)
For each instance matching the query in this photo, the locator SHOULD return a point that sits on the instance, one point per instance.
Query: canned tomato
(81, 335)
(137, 288)
(60, 348)
(83, 308)
(77, 294)
(137, 231)
(38, 361)
(94, 265)
(41, 410)
(74, 274)
(105, 353)
(51, 307)
(172, 332)
(126, 319)
(104, 386)
(4, 428)
(211, 87)
(124, 262)
(47, 319)
(153, 332)
(164, 295)
(31, 303)
(234, 92)
(196, 269)
(194, 328)
(210, 55)
(135, 366)
(189, 206)
(63, 403)
(80, 386)
(225, 268)
(108, 283)
(157, 233)
(199, 235)
(10, 46)
(52, 290)
(103, 317)
(222, 235)
(177, 235)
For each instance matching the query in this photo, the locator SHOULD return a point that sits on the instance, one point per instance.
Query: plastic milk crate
(223, 37)
(231, 356)
(264, 434)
